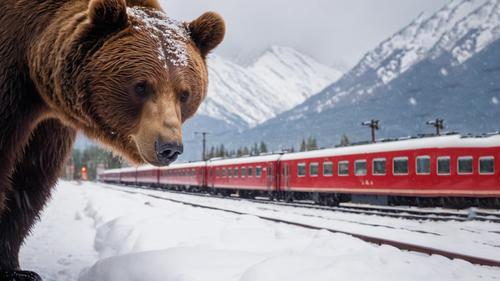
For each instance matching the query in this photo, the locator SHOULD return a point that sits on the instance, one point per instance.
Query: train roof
(244, 160)
(145, 167)
(184, 165)
(453, 141)
(129, 169)
(110, 171)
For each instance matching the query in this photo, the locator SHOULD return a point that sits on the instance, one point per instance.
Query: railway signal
(84, 175)
(374, 125)
(438, 124)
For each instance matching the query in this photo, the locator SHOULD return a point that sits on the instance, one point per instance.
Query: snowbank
(143, 238)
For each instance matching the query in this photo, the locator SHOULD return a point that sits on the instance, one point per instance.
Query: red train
(440, 171)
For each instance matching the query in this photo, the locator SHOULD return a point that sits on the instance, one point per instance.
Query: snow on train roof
(111, 171)
(411, 144)
(145, 167)
(244, 160)
(184, 165)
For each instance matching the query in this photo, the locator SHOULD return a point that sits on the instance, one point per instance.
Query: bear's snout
(167, 152)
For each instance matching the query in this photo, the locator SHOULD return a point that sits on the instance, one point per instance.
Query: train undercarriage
(334, 199)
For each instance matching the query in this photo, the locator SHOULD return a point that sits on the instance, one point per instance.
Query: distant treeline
(90, 158)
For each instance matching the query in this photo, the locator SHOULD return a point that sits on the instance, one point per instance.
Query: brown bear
(120, 71)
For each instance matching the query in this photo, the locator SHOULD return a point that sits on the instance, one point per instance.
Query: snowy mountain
(443, 65)
(462, 28)
(278, 80)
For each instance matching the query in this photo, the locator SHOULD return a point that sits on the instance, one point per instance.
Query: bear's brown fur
(118, 70)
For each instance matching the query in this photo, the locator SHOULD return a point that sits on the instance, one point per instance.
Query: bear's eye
(141, 89)
(184, 96)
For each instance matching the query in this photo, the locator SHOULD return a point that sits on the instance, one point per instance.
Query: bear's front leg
(32, 181)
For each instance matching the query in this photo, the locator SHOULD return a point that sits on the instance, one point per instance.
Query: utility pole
(374, 125)
(204, 135)
(438, 124)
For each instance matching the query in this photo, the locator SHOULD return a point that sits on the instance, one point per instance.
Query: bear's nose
(167, 152)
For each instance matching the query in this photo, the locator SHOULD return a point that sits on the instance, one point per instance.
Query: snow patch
(170, 35)
(413, 101)
(494, 100)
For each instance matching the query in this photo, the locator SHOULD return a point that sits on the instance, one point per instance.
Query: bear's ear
(207, 32)
(108, 14)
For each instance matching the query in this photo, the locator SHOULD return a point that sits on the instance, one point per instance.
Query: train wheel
(288, 196)
(316, 197)
(331, 200)
(271, 196)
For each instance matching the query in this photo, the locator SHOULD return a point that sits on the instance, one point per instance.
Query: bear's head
(142, 76)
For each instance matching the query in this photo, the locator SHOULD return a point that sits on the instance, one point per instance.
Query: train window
(236, 172)
(313, 169)
(258, 172)
(224, 172)
(465, 165)
(301, 169)
(487, 165)
(243, 172)
(343, 168)
(250, 172)
(423, 165)
(360, 167)
(400, 166)
(443, 165)
(379, 166)
(327, 169)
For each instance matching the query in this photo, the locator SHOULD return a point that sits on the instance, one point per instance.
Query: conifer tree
(263, 147)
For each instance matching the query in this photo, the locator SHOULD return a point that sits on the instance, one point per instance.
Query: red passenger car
(110, 176)
(147, 175)
(128, 176)
(183, 175)
(248, 173)
(449, 166)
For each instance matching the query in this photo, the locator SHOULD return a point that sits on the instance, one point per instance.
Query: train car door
(213, 175)
(203, 180)
(210, 178)
(286, 176)
(270, 176)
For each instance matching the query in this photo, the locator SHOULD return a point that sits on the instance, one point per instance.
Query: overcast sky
(335, 32)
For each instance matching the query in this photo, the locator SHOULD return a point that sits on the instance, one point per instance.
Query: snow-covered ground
(92, 232)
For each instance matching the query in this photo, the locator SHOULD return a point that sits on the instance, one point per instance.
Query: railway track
(408, 213)
(393, 212)
(370, 239)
